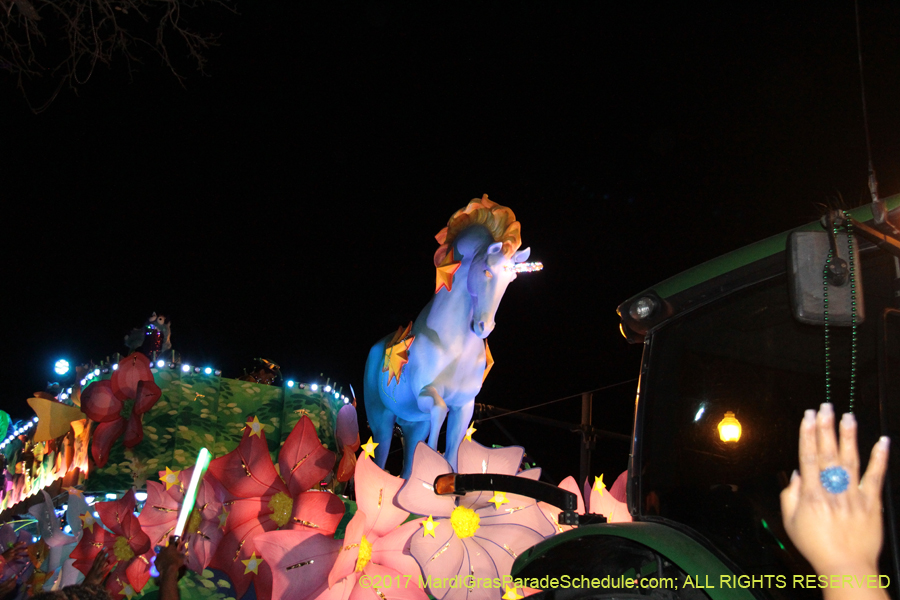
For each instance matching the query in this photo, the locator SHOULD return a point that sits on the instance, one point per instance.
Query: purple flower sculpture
(472, 539)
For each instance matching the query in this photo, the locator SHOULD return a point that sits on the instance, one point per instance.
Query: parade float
(292, 505)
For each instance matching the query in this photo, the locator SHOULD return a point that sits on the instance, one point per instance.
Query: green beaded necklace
(825, 277)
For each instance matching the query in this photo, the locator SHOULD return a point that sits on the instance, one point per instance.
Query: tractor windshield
(745, 356)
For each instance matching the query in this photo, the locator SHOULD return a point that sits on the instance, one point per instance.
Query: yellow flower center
(281, 506)
(365, 554)
(122, 549)
(193, 524)
(464, 521)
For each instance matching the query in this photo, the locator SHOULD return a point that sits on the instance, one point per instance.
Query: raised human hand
(839, 532)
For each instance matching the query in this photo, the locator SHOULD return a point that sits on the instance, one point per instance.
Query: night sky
(285, 206)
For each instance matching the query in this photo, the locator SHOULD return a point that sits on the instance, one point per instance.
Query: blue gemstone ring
(834, 479)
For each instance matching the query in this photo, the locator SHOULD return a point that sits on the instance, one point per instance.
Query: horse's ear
(495, 248)
(522, 255)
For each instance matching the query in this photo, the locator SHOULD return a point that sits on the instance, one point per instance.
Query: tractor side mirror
(807, 253)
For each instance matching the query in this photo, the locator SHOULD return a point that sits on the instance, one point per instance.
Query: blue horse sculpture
(435, 367)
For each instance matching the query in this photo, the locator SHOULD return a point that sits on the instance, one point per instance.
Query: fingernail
(884, 442)
(848, 420)
(825, 409)
(809, 416)
(794, 475)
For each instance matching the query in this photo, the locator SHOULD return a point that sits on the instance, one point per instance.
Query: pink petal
(134, 431)
(285, 549)
(133, 369)
(530, 517)
(160, 509)
(147, 395)
(417, 494)
(505, 542)
(347, 429)
(482, 565)
(238, 544)
(247, 471)
(475, 458)
(618, 488)
(439, 556)
(203, 548)
(570, 485)
(138, 571)
(303, 461)
(407, 590)
(345, 563)
(245, 510)
(375, 496)
(99, 403)
(113, 513)
(392, 550)
(323, 510)
(104, 437)
(89, 546)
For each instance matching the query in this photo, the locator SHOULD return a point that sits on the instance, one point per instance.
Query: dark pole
(587, 437)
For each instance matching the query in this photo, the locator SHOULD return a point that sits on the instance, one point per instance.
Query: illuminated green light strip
(190, 497)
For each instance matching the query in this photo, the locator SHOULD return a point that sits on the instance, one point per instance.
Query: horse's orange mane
(500, 221)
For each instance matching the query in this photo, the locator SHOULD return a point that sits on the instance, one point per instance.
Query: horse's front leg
(431, 402)
(457, 425)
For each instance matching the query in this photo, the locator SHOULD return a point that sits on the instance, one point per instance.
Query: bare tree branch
(64, 40)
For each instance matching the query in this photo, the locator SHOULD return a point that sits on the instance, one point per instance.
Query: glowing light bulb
(186, 368)
(35, 419)
(110, 496)
(140, 496)
(61, 367)
(346, 400)
(327, 389)
(314, 387)
(290, 383)
(89, 499)
(208, 370)
(160, 363)
(96, 372)
(116, 367)
(729, 428)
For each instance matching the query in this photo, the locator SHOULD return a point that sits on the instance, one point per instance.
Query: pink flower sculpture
(203, 530)
(126, 543)
(604, 503)
(375, 546)
(258, 499)
(477, 536)
(118, 405)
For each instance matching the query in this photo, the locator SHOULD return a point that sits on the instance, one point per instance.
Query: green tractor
(734, 351)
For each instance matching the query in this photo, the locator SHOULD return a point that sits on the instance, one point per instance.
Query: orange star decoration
(599, 485)
(471, 430)
(498, 499)
(255, 427)
(396, 353)
(170, 478)
(511, 594)
(87, 521)
(445, 272)
(429, 526)
(369, 447)
(488, 361)
(252, 564)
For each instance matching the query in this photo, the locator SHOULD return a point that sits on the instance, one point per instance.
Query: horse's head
(489, 274)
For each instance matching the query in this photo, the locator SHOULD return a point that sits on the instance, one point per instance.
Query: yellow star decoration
(445, 272)
(429, 526)
(87, 521)
(255, 427)
(369, 447)
(488, 361)
(252, 564)
(128, 591)
(471, 430)
(511, 594)
(170, 478)
(498, 499)
(396, 353)
(598, 484)
(223, 517)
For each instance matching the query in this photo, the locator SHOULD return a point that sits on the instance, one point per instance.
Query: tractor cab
(734, 352)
